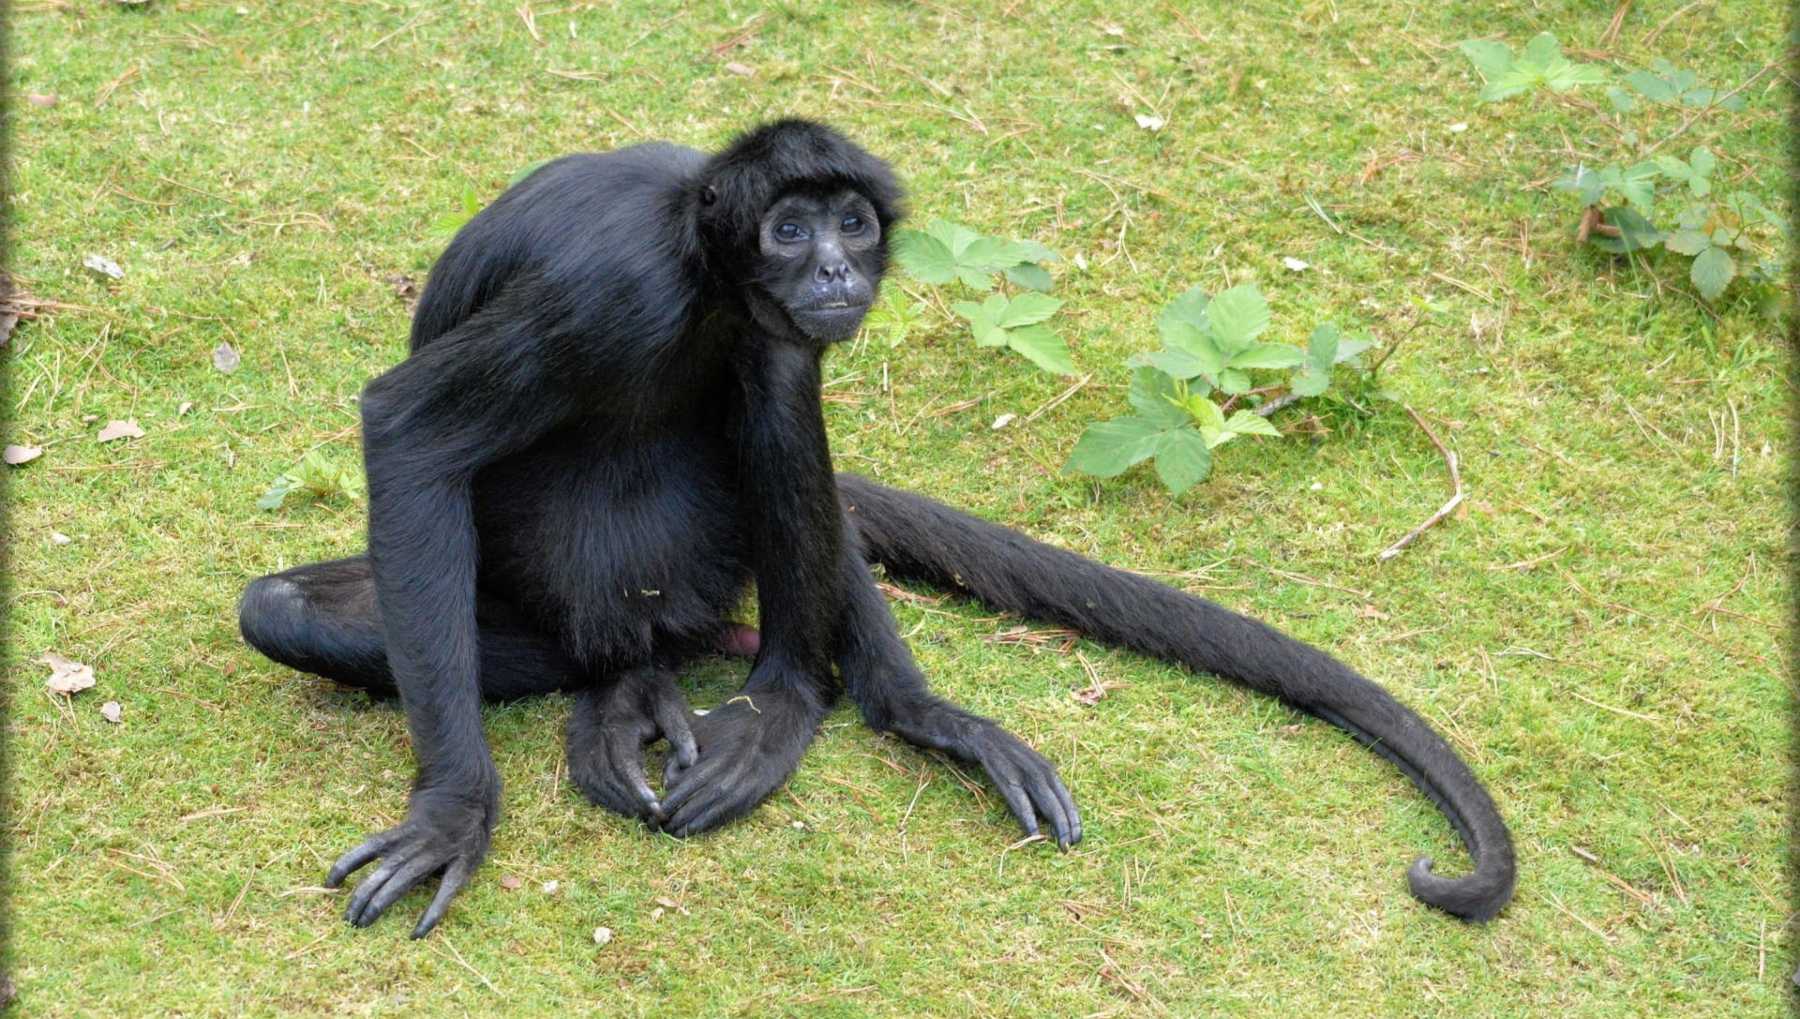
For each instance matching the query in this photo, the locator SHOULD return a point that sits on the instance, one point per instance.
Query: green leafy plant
(1188, 394)
(1541, 65)
(895, 317)
(314, 477)
(1648, 200)
(1018, 323)
(946, 253)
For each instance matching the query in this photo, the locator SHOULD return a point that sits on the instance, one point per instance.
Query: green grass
(261, 176)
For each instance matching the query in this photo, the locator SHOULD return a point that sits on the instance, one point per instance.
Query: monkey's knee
(272, 617)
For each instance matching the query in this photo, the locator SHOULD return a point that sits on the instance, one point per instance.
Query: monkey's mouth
(831, 320)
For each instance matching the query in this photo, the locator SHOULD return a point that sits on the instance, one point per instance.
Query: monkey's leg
(886, 685)
(324, 619)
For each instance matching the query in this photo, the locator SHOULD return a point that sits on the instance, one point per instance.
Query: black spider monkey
(608, 426)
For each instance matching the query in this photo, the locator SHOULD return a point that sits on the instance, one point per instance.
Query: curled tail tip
(1476, 897)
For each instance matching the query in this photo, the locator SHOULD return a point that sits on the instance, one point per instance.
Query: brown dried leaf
(16, 455)
(67, 677)
(511, 882)
(121, 430)
(44, 99)
(1371, 612)
(111, 711)
(741, 70)
(224, 358)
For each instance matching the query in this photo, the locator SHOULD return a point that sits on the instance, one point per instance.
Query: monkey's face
(821, 261)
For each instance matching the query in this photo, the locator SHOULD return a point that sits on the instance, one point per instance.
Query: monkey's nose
(832, 272)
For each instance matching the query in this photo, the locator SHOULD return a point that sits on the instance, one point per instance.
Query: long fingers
(455, 876)
(671, 715)
(352, 861)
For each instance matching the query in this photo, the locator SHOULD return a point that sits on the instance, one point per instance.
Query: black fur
(608, 426)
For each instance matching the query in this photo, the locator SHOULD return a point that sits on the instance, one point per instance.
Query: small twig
(1060, 397)
(1445, 510)
(1284, 400)
(1611, 35)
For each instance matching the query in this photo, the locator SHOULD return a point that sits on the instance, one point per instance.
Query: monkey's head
(795, 217)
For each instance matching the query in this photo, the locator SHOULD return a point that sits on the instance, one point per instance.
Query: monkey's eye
(852, 224)
(789, 232)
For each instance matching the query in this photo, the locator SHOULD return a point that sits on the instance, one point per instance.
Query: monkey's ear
(708, 195)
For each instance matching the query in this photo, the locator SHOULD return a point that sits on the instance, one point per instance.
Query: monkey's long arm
(918, 538)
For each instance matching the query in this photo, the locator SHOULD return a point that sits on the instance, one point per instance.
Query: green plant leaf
(1352, 348)
(984, 320)
(1027, 309)
(1204, 412)
(1651, 86)
(1237, 316)
(1042, 348)
(1322, 345)
(1687, 242)
(1176, 362)
(1310, 380)
(1030, 275)
(1248, 422)
(1621, 100)
(1712, 272)
(1267, 355)
(1021, 252)
(1182, 459)
(1233, 381)
(1635, 232)
(955, 237)
(277, 494)
(1189, 308)
(925, 256)
(1157, 398)
(1492, 59)
(1108, 448)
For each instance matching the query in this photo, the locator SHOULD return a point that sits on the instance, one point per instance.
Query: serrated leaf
(1042, 348)
(1322, 345)
(1492, 59)
(984, 320)
(1310, 380)
(1542, 49)
(1182, 460)
(1215, 437)
(1621, 100)
(1205, 413)
(925, 257)
(1027, 309)
(1030, 275)
(1687, 242)
(1702, 160)
(1107, 448)
(1233, 381)
(1512, 83)
(1157, 398)
(1027, 250)
(1650, 86)
(1238, 316)
(1712, 272)
(1248, 422)
(1189, 308)
(1267, 355)
(277, 493)
(1176, 362)
(1563, 75)
(955, 237)
(986, 253)
(1351, 348)
(1635, 232)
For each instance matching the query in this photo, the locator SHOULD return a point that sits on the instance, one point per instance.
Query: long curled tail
(917, 538)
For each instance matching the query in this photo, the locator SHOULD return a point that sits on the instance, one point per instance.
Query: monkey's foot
(748, 747)
(608, 731)
(1028, 782)
(443, 832)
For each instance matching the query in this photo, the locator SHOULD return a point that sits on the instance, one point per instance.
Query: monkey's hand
(608, 731)
(446, 831)
(748, 747)
(1029, 783)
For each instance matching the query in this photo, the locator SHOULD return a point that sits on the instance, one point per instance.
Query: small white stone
(602, 935)
(1002, 421)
